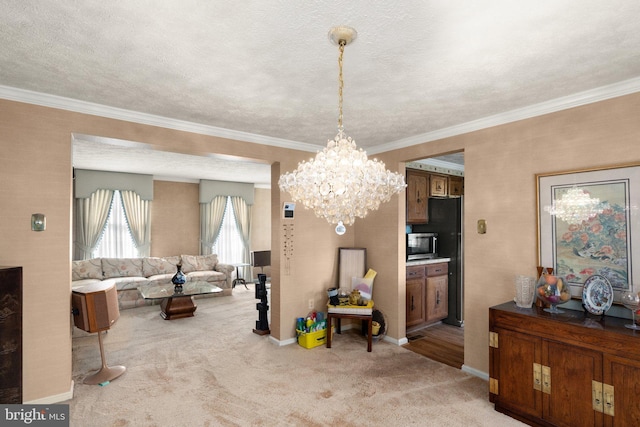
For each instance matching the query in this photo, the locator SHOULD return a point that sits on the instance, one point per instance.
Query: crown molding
(581, 98)
(69, 104)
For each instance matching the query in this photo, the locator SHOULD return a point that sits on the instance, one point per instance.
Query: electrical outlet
(311, 303)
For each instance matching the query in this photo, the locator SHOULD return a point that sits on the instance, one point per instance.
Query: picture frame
(607, 243)
(351, 263)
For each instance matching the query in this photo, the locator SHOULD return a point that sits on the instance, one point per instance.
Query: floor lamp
(261, 259)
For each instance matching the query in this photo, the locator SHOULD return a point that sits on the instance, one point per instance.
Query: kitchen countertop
(428, 261)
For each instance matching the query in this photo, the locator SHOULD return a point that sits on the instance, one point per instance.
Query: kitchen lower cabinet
(415, 302)
(563, 370)
(427, 294)
(437, 299)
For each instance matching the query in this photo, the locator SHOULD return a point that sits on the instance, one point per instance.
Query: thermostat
(288, 210)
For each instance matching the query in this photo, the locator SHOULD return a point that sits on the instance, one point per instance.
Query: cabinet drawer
(415, 271)
(437, 269)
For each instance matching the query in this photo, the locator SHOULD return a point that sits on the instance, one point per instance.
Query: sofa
(130, 273)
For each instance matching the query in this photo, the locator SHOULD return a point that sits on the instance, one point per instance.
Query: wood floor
(441, 342)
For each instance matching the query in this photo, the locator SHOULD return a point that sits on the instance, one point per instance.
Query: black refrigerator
(446, 219)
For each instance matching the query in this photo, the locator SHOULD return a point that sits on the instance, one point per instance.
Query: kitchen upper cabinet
(439, 185)
(417, 197)
(421, 185)
(456, 186)
(563, 370)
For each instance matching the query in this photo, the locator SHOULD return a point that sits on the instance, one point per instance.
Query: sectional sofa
(130, 273)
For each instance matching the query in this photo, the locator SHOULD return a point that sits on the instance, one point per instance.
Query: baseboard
(475, 372)
(281, 343)
(56, 398)
(399, 342)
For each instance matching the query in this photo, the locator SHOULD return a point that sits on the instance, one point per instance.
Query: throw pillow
(87, 269)
(189, 263)
(122, 267)
(199, 262)
(152, 266)
(210, 261)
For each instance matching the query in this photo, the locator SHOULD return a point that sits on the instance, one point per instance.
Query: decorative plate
(597, 294)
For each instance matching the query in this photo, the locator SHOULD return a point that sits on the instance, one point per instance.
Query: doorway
(443, 340)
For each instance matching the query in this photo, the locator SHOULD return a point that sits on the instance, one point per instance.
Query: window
(116, 241)
(228, 245)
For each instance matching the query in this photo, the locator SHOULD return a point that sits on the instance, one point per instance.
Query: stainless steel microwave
(422, 246)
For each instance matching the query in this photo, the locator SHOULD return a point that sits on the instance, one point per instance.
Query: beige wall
(500, 165)
(35, 177)
(35, 147)
(175, 219)
(305, 261)
(261, 220)
(261, 226)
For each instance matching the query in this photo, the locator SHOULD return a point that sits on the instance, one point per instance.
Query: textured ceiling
(265, 69)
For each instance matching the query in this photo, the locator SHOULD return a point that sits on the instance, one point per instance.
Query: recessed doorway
(443, 340)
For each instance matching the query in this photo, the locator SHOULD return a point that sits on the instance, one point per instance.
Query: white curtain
(91, 217)
(116, 240)
(138, 214)
(211, 216)
(242, 212)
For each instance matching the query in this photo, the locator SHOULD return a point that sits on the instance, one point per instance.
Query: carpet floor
(212, 370)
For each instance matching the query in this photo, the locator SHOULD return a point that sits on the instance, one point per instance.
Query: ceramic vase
(179, 278)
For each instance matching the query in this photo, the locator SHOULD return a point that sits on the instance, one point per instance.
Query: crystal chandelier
(575, 206)
(341, 183)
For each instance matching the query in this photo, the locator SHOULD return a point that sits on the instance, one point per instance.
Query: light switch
(38, 222)
(482, 226)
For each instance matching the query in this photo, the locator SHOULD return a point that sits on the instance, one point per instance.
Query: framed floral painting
(588, 224)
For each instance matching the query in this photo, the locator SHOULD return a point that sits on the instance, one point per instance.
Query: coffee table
(176, 303)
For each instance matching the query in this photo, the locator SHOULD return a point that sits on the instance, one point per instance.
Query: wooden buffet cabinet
(427, 293)
(567, 369)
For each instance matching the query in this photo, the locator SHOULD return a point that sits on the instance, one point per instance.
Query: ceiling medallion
(341, 183)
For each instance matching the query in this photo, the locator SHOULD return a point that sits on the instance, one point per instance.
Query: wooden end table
(339, 316)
